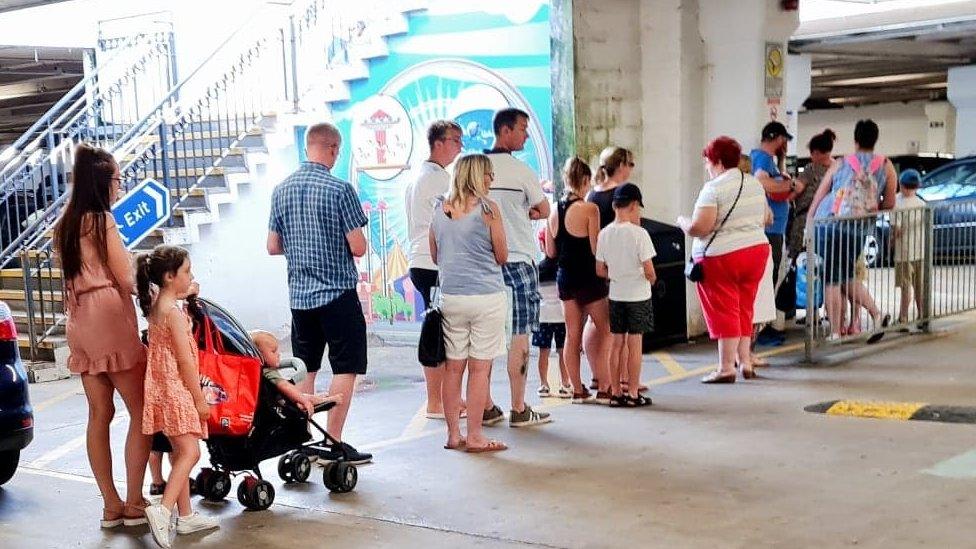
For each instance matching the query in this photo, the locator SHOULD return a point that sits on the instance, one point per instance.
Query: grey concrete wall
(231, 262)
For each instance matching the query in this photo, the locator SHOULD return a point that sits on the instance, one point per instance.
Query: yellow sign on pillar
(775, 61)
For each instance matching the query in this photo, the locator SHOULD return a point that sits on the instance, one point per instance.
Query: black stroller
(280, 428)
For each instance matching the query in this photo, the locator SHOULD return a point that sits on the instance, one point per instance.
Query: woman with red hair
(731, 248)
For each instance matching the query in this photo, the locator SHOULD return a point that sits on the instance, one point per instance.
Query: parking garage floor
(706, 466)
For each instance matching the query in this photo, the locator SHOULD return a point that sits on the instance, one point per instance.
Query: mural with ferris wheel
(455, 62)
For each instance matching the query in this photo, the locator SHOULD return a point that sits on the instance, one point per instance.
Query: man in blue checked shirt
(317, 224)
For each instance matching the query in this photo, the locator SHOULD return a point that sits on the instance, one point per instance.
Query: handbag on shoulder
(693, 270)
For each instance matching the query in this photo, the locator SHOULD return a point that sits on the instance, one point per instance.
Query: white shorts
(474, 325)
(764, 309)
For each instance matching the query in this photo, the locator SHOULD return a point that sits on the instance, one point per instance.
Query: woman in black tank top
(583, 293)
(616, 164)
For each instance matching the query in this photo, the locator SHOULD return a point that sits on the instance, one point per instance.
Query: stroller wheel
(340, 477)
(255, 495)
(213, 485)
(301, 467)
(294, 467)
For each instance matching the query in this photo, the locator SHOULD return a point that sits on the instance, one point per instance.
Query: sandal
(135, 515)
(112, 518)
(157, 489)
(619, 401)
(717, 377)
(492, 446)
(639, 402)
(582, 398)
(626, 384)
(459, 446)
(879, 330)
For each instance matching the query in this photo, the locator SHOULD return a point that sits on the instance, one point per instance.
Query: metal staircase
(200, 139)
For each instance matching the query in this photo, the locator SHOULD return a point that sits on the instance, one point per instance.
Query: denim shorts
(840, 243)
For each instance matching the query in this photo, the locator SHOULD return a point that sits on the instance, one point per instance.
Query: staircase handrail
(151, 122)
(28, 141)
(131, 144)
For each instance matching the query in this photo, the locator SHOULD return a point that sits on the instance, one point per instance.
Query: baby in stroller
(281, 423)
(276, 370)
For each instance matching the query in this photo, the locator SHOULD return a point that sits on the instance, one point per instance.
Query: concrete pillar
(735, 35)
(941, 136)
(698, 72)
(671, 109)
(962, 94)
(796, 93)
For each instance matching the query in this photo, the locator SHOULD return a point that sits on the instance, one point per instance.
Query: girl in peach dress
(174, 402)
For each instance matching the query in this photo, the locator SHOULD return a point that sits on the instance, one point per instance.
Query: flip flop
(459, 446)
(492, 446)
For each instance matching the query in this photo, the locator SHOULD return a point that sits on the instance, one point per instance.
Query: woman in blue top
(840, 241)
(467, 243)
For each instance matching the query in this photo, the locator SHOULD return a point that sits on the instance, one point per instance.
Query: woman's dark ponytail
(143, 274)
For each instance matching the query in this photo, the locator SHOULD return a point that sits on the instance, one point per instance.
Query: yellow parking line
(70, 446)
(670, 364)
(705, 369)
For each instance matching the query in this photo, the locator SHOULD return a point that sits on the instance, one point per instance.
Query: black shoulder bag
(430, 348)
(693, 270)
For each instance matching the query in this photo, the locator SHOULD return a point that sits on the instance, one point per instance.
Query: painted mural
(456, 62)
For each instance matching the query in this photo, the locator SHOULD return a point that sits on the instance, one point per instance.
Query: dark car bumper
(16, 440)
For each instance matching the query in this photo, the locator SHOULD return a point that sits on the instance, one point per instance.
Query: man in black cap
(780, 189)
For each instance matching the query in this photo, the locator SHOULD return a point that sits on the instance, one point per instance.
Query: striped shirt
(746, 226)
(313, 211)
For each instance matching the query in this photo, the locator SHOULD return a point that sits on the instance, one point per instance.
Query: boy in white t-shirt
(909, 228)
(623, 255)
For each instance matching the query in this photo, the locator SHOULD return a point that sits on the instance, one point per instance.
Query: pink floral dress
(168, 403)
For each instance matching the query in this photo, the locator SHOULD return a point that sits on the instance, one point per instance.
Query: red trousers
(728, 290)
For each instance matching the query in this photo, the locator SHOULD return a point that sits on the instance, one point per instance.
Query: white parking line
(70, 446)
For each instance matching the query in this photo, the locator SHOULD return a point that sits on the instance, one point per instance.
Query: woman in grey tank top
(467, 242)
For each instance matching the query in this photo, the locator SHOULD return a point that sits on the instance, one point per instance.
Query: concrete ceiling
(31, 80)
(11, 5)
(901, 55)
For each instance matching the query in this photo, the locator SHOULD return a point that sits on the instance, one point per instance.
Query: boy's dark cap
(628, 192)
(774, 130)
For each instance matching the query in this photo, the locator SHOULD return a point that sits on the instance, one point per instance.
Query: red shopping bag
(230, 384)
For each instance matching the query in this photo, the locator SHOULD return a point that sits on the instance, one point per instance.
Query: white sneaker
(161, 525)
(195, 522)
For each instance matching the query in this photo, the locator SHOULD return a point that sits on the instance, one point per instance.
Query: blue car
(952, 190)
(16, 413)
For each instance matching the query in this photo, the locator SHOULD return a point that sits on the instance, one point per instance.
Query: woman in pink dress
(103, 337)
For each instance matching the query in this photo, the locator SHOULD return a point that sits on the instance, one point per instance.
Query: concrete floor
(706, 466)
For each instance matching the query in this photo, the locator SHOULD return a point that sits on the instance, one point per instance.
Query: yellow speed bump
(917, 411)
(877, 410)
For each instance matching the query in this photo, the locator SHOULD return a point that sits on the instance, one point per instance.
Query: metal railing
(97, 110)
(909, 265)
